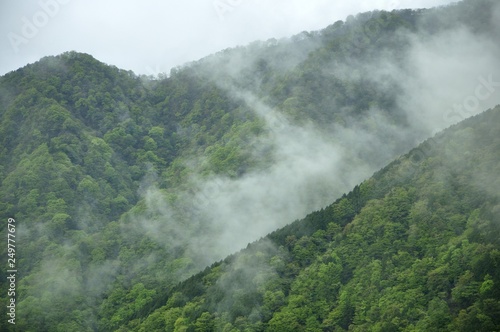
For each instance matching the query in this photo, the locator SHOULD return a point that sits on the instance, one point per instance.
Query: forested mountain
(414, 248)
(122, 186)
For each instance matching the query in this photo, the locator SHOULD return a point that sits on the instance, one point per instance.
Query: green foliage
(81, 142)
(376, 260)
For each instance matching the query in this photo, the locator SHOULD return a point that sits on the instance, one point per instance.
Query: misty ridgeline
(127, 187)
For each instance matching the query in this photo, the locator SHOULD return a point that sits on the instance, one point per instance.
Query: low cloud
(221, 215)
(453, 75)
(312, 167)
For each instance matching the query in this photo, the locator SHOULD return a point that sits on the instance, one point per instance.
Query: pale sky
(153, 36)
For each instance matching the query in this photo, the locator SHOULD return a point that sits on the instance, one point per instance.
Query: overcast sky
(152, 36)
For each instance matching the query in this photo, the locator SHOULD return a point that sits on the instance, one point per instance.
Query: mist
(309, 172)
(442, 79)
(303, 165)
(455, 75)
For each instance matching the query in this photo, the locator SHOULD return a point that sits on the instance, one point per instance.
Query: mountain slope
(123, 185)
(414, 248)
(80, 140)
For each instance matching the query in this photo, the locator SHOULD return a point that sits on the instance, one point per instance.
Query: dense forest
(414, 248)
(125, 188)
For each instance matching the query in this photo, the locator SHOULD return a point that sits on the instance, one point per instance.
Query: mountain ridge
(125, 185)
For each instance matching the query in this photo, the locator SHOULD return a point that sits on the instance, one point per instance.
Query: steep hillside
(81, 143)
(123, 185)
(414, 248)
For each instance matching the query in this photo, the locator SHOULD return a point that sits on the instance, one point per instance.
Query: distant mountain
(122, 186)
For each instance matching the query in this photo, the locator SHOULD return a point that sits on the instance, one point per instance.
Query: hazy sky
(152, 36)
